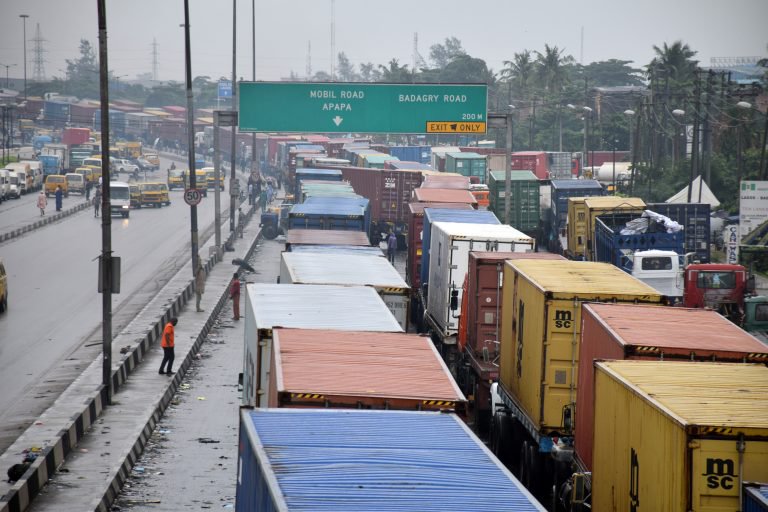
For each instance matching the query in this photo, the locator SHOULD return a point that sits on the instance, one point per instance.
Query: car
(123, 165)
(175, 179)
(146, 165)
(3, 288)
(56, 180)
(154, 194)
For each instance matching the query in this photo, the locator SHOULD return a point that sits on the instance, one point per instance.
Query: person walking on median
(234, 294)
(96, 201)
(167, 342)
(199, 284)
(88, 187)
(42, 202)
(391, 247)
(59, 198)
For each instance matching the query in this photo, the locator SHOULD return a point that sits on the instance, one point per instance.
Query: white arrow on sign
(338, 120)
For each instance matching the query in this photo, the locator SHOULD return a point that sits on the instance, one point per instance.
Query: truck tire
(269, 231)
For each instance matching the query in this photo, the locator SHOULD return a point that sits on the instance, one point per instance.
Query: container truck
(59, 150)
(582, 215)
(534, 403)
(301, 237)
(611, 246)
(340, 213)
(354, 460)
(560, 191)
(332, 369)
(524, 213)
(678, 436)
(346, 308)
(451, 243)
(51, 164)
(316, 174)
(480, 328)
(695, 219)
(628, 331)
(718, 286)
(349, 270)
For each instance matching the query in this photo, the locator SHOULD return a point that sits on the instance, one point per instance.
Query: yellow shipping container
(576, 228)
(541, 327)
(678, 436)
(605, 205)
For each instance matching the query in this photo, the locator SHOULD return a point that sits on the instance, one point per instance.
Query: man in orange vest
(166, 341)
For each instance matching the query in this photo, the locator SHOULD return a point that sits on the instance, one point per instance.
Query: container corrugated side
(353, 308)
(669, 434)
(323, 368)
(627, 331)
(540, 329)
(695, 219)
(327, 237)
(607, 205)
(755, 498)
(381, 461)
(446, 181)
(524, 199)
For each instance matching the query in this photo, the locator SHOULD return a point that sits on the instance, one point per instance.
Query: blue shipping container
(344, 213)
(421, 154)
(448, 215)
(755, 498)
(695, 219)
(350, 460)
(561, 191)
(56, 112)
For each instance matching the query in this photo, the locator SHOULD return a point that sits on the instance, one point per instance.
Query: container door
(715, 473)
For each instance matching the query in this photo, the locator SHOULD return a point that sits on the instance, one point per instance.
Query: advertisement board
(753, 205)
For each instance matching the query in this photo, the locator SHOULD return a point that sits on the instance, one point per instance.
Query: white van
(120, 198)
(22, 171)
(4, 184)
(75, 183)
(13, 185)
(36, 171)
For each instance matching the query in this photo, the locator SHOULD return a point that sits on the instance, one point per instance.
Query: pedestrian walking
(167, 342)
(42, 202)
(96, 201)
(234, 294)
(59, 195)
(199, 284)
(88, 187)
(270, 192)
(391, 247)
(251, 196)
(263, 200)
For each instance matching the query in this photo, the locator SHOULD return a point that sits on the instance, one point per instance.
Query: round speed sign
(192, 196)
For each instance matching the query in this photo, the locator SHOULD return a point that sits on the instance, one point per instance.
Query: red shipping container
(82, 114)
(628, 331)
(335, 145)
(598, 158)
(389, 191)
(415, 225)
(535, 161)
(72, 136)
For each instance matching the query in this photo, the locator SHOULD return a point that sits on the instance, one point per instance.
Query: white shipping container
(451, 243)
(344, 308)
(349, 270)
(439, 152)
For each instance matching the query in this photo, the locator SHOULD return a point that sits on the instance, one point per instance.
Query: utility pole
(233, 189)
(255, 157)
(190, 137)
(24, 20)
(695, 144)
(706, 143)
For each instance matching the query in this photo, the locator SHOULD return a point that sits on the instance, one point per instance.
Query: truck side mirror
(454, 299)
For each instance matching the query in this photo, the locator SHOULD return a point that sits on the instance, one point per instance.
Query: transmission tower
(309, 60)
(418, 60)
(333, 40)
(154, 59)
(38, 73)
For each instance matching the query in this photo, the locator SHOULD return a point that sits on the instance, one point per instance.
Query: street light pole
(7, 80)
(24, 18)
(233, 190)
(190, 138)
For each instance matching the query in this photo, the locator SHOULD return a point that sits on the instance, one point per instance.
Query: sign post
(362, 107)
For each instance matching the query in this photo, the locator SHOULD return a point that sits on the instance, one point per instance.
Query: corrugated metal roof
(340, 249)
(362, 364)
(443, 195)
(347, 308)
(700, 394)
(346, 269)
(582, 278)
(694, 329)
(614, 202)
(349, 206)
(575, 184)
(326, 237)
(500, 232)
(318, 172)
(515, 175)
(343, 460)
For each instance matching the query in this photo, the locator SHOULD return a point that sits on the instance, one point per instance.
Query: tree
(83, 73)
(519, 72)
(676, 61)
(611, 73)
(394, 72)
(345, 70)
(442, 54)
(466, 69)
(551, 68)
(369, 72)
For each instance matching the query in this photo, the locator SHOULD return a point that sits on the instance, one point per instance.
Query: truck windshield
(657, 263)
(119, 193)
(716, 280)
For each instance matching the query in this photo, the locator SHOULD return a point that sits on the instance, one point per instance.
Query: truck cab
(718, 286)
(662, 270)
(756, 317)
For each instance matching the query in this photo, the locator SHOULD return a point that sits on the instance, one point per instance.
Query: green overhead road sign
(362, 107)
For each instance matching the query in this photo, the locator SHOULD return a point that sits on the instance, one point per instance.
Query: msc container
(316, 174)
(540, 327)
(678, 436)
(610, 246)
(339, 213)
(524, 199)
(601, 206)
(755, 497)
(451, 243)
(350, 460)
(349, 270)
(471, 165)
(447, 215)
(323, 368)
(298, 237)
(343, 308)
(626, 331)
(414, 240)
(560, 191)
(421, 154)
(446, 181)
(695, 219)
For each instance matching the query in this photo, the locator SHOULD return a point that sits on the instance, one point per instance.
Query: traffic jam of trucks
(589, 348)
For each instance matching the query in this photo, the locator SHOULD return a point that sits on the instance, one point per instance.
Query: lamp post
(629, 113)
(7, 80)
(24, 18)
(679, 152)
(745, 106)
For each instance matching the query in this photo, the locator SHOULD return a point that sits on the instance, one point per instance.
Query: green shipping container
(524, 199)
(466, 164)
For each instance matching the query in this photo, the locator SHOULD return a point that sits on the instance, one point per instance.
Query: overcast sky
(375, 32)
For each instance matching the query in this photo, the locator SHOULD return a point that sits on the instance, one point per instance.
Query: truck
(695, 219)
(451, 243)
(59, 150)
(341, 213)
(682, 436)
(636, 332)
(524, 201)
(582, 215)
(718, 286)
(349, 270)
(340, 459)
(556, 217)
(51, 164)
(534, 402)
(346, 308)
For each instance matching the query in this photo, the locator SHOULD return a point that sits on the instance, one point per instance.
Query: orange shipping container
(443, 195)
(628, 331)
(372, 370)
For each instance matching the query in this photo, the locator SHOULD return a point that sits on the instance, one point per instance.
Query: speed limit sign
(192, 196)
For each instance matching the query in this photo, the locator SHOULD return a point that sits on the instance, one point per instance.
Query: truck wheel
(269, 231)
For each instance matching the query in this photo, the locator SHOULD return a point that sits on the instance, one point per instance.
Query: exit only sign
(362, 107)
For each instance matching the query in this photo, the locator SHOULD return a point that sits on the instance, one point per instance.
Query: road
(52, 328)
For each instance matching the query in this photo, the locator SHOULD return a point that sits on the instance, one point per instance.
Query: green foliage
(442, 54)
(611, 73)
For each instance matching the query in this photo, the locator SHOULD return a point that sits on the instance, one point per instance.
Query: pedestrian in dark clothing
(59, 198)
(234, 294)
(391, 247)
(88, 187)
(96, 201)
(167, 342)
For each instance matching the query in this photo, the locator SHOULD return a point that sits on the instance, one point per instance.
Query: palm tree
(676, 60)
(519, 72)
(394, 72)
(551, 67)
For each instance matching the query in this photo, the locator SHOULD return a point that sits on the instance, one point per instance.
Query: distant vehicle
(13, 185)
(5, 184)
(135, 195)
(120, 198)
(176, 179)
(55, 180)
(146, 165)
(210, 180)
(3, 288)
(123, 165)
(154, 194)
(75, 182)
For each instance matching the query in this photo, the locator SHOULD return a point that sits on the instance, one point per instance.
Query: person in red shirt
(167, 342)
(234, 294)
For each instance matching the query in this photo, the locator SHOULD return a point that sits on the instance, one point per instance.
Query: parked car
(123, 165)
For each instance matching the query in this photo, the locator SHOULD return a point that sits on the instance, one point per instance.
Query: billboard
(753, 206)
